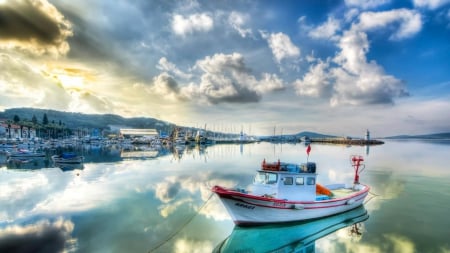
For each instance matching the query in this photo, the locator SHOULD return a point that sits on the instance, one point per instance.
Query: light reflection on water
(131, 203)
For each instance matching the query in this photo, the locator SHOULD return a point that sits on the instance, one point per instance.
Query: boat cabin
(286, 181)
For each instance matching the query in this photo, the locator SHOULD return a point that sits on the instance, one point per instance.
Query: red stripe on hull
(276, 203)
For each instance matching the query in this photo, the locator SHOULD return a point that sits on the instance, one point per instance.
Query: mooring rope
(181, 227)
(374, 195)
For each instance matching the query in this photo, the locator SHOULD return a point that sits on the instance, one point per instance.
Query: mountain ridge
(81, 120)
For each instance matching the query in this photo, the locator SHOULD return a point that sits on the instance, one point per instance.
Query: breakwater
(347, 141)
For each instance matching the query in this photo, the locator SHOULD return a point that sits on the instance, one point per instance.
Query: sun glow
(71, 82)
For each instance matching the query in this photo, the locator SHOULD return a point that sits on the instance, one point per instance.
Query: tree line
(43, 128)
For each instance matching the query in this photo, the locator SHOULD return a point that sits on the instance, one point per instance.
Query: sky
(264, 67)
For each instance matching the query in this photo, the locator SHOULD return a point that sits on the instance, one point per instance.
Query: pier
(343, 141)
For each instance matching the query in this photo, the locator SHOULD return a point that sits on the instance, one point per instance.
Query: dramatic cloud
(358, 81)
(194, 23)
(282, 46)
(226, 78)
(33, 26)
(21, 81)
(352, 79)
(176, 57)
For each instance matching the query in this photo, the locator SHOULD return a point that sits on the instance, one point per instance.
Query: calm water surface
(121, 202)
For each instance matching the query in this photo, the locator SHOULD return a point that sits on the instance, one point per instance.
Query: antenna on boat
(358, 165)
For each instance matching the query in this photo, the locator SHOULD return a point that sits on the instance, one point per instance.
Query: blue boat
(66, 158)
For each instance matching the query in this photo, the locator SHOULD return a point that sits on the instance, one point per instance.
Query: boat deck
(342, 192)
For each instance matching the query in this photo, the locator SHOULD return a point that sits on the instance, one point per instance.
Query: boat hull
(246, 209)
(289, 237)
(26, 155)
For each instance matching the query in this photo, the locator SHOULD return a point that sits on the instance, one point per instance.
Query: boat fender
(297, 206)
(350, 202)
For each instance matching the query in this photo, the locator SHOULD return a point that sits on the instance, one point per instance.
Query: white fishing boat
(292, 237)
(286, 192)
(66, 158)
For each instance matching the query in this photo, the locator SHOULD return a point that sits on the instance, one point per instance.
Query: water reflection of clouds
(177, 191)
(42, 236)
(22, 190)
(167, 190)
(50, 191)
(339, 242)
(191, 246)
(159, 195)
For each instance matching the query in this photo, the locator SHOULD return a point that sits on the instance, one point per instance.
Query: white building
(139, 133)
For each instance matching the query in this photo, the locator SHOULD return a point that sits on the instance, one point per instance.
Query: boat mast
(357, 164)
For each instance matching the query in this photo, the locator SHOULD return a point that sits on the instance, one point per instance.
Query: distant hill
(313, 135)
(80, 120)
(291, 137)
(423, 136)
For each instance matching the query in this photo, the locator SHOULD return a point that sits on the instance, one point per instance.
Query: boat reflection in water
(69, 166)
(290, 237)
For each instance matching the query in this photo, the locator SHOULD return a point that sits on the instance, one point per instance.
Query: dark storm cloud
(32, 20)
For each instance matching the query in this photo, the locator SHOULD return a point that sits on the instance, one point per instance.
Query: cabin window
(299, 180)
(288, 181)
(310, 181)
(266, 178)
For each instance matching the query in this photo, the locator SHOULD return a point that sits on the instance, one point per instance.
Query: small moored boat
(286, 192)
(25, 153)
(67, 158)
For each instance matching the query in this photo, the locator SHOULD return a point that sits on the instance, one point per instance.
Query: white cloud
(233, 63)
(316, 83)
(358, 81)
(410, 22)
(282, 46)
(269, 82)
(193, 23)
(366, 4)
(226, 78)
(354, 46)
(351, 14)
(353, 79)
(430, 4)
(326, 30)
(167, 66)
(237, 20)
(165, 86)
